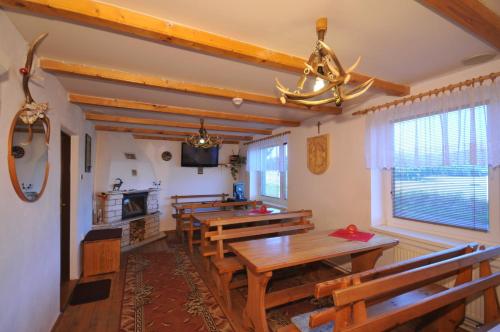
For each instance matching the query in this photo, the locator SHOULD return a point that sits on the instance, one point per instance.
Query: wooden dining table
(264, 256)
(205, 218)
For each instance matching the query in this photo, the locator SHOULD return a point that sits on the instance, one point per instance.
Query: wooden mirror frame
(12, 161)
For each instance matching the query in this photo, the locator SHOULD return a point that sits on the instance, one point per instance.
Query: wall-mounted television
(197, 157)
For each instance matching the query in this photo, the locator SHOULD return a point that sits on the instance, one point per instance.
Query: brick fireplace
(135, 212)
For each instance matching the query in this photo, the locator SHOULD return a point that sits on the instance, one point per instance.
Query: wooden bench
(186, 225)
(180, 200)
(225, 267)
(384, 298)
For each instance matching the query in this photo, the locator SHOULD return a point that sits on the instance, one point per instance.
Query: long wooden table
(262, 257)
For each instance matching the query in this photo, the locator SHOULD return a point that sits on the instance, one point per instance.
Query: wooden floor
(105, 315)
(101, 315)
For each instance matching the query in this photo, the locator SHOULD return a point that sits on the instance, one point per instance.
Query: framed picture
(88, 153)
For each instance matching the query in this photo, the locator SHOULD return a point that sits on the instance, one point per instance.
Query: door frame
(74, 244)
(69, 221)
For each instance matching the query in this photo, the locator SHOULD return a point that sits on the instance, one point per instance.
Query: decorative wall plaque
(318, 153)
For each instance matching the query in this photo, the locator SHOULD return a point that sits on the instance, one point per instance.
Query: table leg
(365, 260)
(203, 230)
(254, 314)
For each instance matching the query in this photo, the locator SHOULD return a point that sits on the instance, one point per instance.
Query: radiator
(407, 250)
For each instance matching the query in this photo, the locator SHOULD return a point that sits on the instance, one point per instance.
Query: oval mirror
(28, 157)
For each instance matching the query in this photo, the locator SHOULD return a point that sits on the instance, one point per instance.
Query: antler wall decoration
(324, 64)
(31, 111)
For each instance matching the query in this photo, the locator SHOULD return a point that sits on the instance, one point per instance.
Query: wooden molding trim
(166, 123)
(134, 23)
(199, 113)
(150, 131)
(159, 82)
(175, 139)
(434, 92)
(471, 15)
(163, 83)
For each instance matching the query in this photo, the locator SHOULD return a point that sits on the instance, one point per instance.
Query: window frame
(282, 201)
(382, 211)
(436, 222)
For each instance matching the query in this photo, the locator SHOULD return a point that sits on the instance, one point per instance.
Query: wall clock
(166, 155)
(17, 151)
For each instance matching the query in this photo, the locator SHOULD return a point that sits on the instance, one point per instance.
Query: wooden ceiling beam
(166, 123)
(119, 19)
(166, 109)
(470, 15)
(163, 83)
(176, 139)
(150, 131)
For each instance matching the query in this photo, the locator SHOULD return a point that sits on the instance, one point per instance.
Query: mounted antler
(324, 64)
(32, 111)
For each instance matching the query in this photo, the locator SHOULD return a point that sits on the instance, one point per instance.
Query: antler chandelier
(202, 139)
(329, 73)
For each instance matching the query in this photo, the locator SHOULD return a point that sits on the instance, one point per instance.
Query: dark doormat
(90, 291)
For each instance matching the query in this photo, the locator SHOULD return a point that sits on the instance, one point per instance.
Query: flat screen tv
(196, 157)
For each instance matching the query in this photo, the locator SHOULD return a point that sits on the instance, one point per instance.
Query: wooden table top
(219, 215)
(264, 255)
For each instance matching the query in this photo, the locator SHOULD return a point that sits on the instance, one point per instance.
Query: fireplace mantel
(137, 230)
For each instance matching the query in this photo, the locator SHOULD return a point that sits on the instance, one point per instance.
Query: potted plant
(235, 162)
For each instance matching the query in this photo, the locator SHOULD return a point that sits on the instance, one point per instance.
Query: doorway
(65, 216)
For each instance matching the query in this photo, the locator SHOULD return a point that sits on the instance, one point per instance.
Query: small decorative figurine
(117, 185)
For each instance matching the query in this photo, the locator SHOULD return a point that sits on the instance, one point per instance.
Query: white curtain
(455, 128)
(266, 155)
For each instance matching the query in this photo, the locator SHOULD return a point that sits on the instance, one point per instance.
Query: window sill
(273, 204)
(424, 238)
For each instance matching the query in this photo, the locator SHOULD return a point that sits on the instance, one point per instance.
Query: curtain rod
(268, 137)
(451, 87)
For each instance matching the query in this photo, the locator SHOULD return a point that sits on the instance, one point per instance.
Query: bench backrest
(176, 198)
(432, 303)
(295, 221)
(351, 294)
(207, 205)
(326, 288)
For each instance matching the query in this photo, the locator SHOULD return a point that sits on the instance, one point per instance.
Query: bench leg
(178, 229)
(254, 314)
(225, 280)
(190, 234)
(206, 264)
(445, 319)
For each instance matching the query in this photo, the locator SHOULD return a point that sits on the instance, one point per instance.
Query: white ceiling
(399, 40)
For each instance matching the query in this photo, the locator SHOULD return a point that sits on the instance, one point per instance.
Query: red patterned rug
(163, 292)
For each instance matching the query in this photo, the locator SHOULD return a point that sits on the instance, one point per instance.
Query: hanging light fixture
(329, 74)
(202, 139)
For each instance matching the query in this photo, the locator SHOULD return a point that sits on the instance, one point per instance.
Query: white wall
(341, 195)
(175, 180)
(30, 232)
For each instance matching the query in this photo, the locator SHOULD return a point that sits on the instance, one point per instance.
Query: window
(455, 194)
(271, 180)
(274, 183)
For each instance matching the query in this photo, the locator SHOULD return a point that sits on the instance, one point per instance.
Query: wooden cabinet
(101, 251)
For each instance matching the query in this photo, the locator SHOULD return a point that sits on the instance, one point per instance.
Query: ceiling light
(478, 59)
(318, 84)
(202, 140)
(325, 66)
(237, 101)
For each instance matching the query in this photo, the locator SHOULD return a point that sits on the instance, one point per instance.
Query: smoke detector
(478, 59)
(237, 101)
